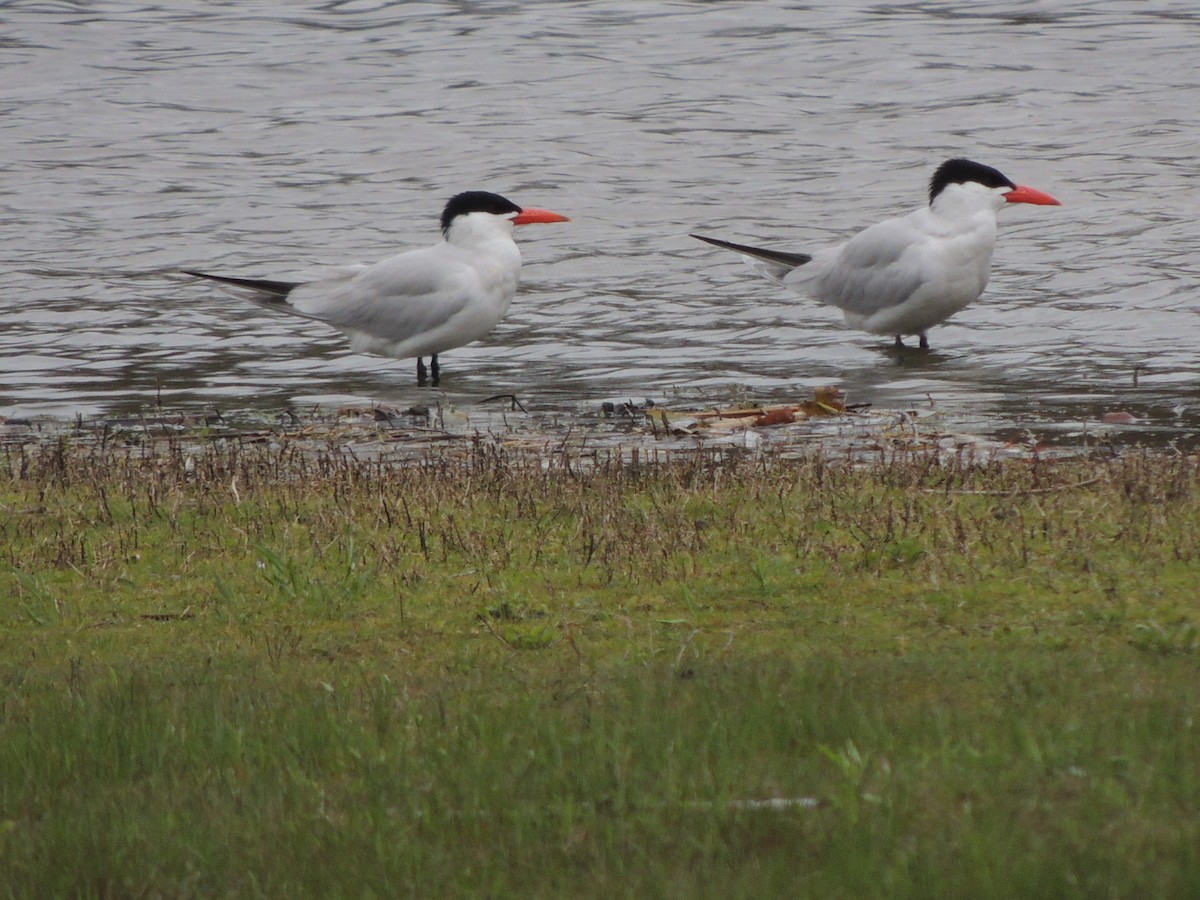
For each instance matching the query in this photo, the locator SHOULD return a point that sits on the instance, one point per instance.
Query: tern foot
(434, 370)
(900, 345)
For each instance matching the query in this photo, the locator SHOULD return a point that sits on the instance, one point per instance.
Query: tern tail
(274, 291)
(791, 260)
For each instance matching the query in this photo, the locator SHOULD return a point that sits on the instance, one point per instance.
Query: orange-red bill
(531, 215)
(1021, 194)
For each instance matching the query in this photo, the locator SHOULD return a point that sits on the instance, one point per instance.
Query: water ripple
(145, 138)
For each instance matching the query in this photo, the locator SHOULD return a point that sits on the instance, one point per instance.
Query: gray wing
(407, 294)
(879, 268)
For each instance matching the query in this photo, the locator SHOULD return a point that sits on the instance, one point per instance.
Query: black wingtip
(276, 289)
(776, 256)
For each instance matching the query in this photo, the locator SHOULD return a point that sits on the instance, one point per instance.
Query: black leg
(924, 341)
(899, 343)
(422, 375)
(434, 370)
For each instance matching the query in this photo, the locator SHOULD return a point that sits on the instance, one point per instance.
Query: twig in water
(516, 404)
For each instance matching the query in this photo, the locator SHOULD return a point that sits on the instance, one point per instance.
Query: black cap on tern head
(960, 171)
(476, 201)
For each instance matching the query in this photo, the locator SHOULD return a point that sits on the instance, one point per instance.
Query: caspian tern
(421, 302)
(905, 275)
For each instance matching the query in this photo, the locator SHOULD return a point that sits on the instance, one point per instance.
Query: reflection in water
(143, 140)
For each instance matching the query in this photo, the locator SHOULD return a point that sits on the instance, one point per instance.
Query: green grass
(263, 669)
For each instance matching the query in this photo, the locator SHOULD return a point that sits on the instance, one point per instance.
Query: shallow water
(251, 138)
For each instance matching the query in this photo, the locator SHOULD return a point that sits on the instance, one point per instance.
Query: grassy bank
(263, 669)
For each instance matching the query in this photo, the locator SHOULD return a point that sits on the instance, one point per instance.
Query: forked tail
(271, 291)
(773, 263)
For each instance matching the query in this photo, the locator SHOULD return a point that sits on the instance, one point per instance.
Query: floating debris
(827, 401)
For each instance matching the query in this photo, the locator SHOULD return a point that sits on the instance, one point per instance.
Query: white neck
(475, 230)
(962, 201)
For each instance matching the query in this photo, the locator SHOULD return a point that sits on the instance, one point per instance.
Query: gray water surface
(264, 139)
